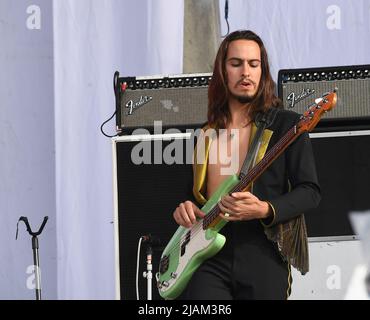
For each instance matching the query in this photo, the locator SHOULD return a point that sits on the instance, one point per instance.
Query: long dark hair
(218, 92)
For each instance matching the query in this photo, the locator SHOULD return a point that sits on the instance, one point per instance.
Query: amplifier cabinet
(178, 101)
(148, 186)
(298, 89)
(343, 168)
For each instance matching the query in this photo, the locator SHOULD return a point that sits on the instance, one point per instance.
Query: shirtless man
(249, 266)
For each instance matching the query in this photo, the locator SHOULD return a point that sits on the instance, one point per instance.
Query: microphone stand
(151, 242)
(35, 249)
(148, 274)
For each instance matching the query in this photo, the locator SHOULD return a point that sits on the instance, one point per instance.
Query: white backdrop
(57, 61)
(304, 34)
(92, 40)
(27, 160)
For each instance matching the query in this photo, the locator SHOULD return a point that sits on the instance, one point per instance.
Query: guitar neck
(267, 160)
(256, 171)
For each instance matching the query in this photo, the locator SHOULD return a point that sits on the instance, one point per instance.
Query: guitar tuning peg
(325, 94)
(318, 100)
(311, 105)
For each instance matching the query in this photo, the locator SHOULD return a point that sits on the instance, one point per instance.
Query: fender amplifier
(179, 101)
(299, 87)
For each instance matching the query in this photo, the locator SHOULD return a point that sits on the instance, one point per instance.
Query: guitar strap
(262, 120)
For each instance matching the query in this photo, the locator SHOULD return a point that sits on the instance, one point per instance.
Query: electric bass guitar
(190, 247)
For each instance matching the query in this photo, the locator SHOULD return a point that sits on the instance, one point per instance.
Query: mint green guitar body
(190, 247)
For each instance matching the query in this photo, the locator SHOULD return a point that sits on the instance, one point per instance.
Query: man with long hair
(266, 231)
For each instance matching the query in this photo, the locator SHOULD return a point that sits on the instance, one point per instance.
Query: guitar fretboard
(256, 171)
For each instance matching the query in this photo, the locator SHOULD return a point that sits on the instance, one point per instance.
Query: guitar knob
(165, 284)
(173, 275)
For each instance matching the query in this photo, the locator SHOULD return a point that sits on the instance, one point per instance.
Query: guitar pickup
(164, 264)
(184, 244)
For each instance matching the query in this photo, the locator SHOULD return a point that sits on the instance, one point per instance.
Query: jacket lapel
(200, 160)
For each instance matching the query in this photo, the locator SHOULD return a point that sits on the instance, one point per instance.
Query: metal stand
(148, 274)
(35, 249)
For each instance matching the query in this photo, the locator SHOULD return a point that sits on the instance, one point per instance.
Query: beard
(243, 99)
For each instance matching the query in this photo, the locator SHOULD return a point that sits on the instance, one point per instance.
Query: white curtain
(92, 39)
(304, 34)
(27, 176)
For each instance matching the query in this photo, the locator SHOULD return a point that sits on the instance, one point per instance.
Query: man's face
(243, 69)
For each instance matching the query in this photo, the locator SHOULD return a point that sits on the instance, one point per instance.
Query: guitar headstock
(313, 114)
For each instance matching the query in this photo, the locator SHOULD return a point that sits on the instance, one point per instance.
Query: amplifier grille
(172, 106)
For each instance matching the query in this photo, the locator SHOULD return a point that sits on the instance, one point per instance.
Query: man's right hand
(186, 214)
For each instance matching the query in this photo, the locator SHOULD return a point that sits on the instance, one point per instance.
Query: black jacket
(290, 184)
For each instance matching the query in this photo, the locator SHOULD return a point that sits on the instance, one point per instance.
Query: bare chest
(226, 156)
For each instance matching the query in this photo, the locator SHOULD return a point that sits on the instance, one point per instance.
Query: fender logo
(292, 98)
(133, 106)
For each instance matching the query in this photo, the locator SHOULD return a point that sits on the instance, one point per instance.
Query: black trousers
(249, 266)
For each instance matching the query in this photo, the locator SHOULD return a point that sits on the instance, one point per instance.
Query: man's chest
(226, 156)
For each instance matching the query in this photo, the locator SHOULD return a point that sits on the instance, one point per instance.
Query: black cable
(115, 79)
(101, 127)
(227, 17)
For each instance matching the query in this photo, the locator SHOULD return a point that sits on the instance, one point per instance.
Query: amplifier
(146, 192)
(299, 87)
(178, 101)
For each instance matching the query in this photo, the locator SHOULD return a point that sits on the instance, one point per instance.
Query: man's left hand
(243, 206)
